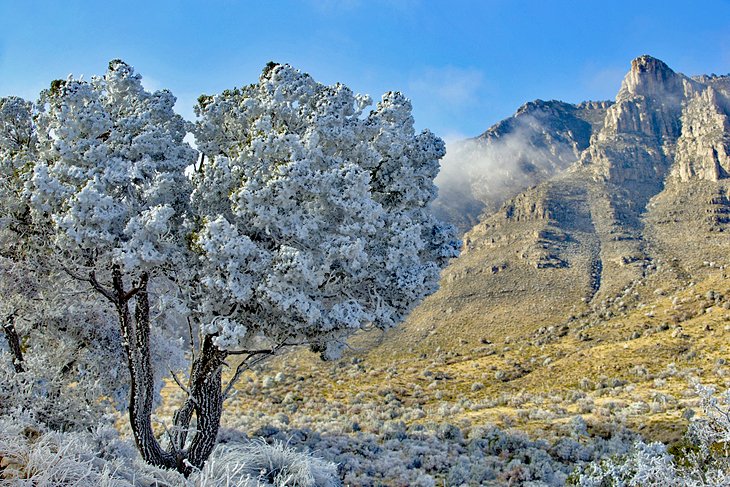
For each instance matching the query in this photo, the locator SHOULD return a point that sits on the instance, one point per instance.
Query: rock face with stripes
(647, 192)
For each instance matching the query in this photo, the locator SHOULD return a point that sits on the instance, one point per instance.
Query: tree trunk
(206, 400)
(14, 342)
(206, 397)
(136, 341)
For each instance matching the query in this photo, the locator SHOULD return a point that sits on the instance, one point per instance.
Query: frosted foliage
(227, 334)
(32, 455)
(111, 172)
(71, 357)
(17, 143)
(704, 463)
(315, 217)
(260, 464)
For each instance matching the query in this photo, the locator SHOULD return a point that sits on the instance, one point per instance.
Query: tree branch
(91, 279)
(180, 384)
(246, 365)
(137, 287)
(251, 353)
(106, 292)
(243, 366)
(192, 340)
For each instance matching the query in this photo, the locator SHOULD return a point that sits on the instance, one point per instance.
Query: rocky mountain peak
(650, 77)
(703, 150)
(540, 140)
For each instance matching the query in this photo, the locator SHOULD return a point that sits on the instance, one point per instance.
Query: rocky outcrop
(703, 150)
(651, 78)
(640, 129)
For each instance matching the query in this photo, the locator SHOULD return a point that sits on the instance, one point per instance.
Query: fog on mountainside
(543, 138)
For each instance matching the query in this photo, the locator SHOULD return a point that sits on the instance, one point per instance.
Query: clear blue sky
(464, 64)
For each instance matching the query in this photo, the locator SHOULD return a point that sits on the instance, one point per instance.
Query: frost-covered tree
(17, 151)
(305, 221)
(60, 349)
(311, 222)
(109, 188)
(313, 218)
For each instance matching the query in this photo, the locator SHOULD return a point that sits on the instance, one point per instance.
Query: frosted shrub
(260, 464)
(705, 461)
(31, 455)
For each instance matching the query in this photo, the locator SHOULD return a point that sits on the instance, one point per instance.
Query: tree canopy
(298, 220)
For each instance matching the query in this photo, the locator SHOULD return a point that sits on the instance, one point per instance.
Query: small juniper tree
(60, 347)
(109, 185)
(306, 220)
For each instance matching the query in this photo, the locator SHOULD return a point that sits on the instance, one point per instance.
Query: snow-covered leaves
(111, 171)
(314, 216)
(703, 462)
(306, 221)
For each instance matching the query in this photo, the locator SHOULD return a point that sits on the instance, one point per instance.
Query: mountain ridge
(598, 294)
(645, 201)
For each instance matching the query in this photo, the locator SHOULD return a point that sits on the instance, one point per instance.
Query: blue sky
(464, 64)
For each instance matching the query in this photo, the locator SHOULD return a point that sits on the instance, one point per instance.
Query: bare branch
(247, 363)
(137, 287)
(236, 376)
(91, 279)
(192, 340)
(180, 384)
(242, 367)
(106, 292)
(251, 353)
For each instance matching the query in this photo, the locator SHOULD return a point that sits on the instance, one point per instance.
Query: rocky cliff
(645, 200)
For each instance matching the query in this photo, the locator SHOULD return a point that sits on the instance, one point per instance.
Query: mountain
(647, 193)
(604, 266)
(540, 140)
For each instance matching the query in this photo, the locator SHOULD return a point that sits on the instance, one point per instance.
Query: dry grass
(635, 370)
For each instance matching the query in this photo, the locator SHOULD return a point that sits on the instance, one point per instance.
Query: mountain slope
(649, 194)
(540, 140)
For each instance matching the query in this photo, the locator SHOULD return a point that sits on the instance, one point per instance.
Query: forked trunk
(136, 341)
(206, 398)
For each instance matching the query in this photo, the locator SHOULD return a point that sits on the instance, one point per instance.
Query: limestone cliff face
(636, 142)
(647, 197)
(703, 150)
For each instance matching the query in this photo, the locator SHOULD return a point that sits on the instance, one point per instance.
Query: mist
(479, 174)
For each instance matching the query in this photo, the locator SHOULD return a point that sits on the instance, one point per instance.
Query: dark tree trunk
(205, 399)
(136, 341)
(14, 342)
